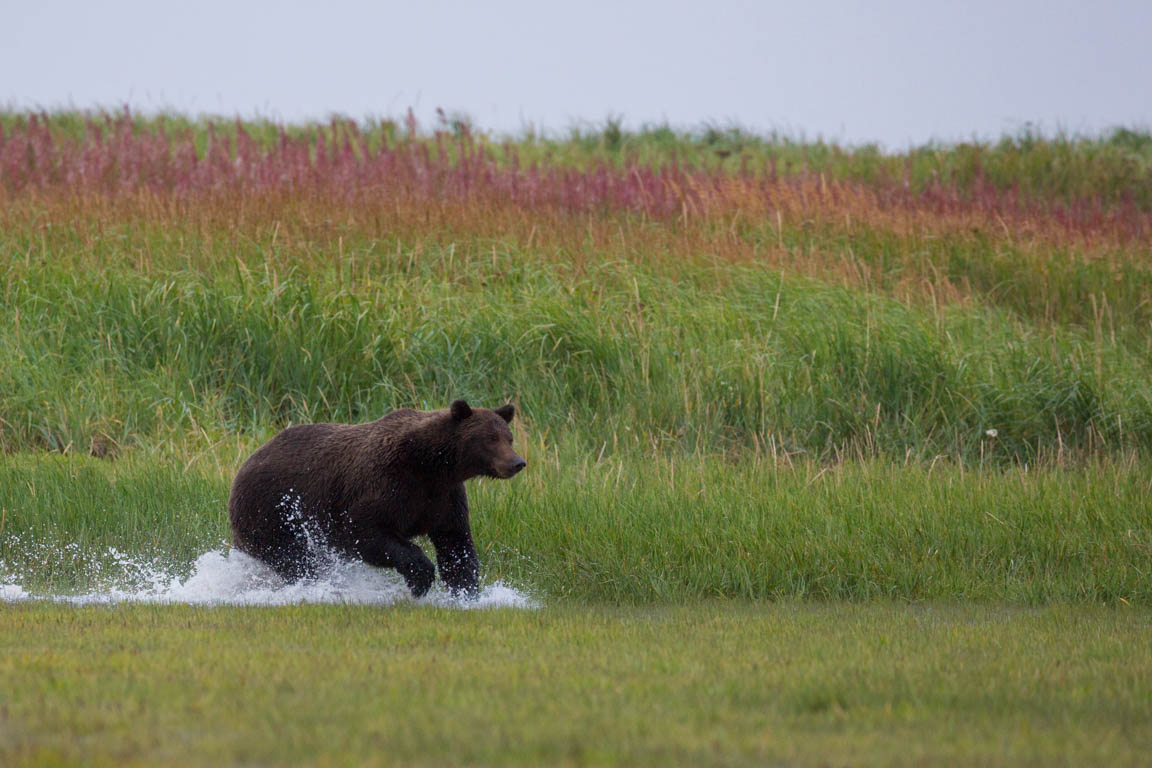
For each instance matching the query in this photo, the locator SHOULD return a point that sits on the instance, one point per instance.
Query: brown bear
(365, 490)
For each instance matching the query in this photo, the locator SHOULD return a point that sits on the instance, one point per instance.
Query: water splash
(230, 577)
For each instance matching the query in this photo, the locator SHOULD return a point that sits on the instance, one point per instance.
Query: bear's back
(326, 463)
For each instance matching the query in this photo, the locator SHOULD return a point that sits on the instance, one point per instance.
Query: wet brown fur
(366, 490)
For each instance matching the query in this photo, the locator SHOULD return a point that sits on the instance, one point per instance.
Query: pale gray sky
(892, 71)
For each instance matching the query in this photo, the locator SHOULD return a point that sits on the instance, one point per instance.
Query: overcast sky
(892, 71)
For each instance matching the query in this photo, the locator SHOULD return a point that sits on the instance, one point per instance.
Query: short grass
(708, 684)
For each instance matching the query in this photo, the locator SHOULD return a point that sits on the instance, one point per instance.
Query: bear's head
(484, 441)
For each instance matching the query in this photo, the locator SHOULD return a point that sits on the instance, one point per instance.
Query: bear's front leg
(459, 565)
(407, 558)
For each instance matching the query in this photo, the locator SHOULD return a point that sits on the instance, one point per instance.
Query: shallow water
(230, 577)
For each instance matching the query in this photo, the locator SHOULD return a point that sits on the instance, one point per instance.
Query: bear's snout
(513, 467)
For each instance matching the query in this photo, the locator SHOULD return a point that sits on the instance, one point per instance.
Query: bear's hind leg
(286, 553)
(293, 566)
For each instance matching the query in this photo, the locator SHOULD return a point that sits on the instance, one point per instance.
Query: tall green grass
(635, 530)
(1048, 284)
(926, 401)
(615, 357)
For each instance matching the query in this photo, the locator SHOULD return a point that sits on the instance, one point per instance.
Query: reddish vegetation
(167, 197)
(115, 159)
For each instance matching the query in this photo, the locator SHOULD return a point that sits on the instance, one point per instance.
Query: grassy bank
(615, 356)
(732, 381)
(835, 456)
(707, 684)
(638, 531)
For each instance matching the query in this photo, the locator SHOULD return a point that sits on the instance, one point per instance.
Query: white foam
(230, 577)
(13, 592)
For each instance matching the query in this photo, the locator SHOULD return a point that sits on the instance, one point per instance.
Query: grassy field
(656, 531)
(835, 455)
(721, 684)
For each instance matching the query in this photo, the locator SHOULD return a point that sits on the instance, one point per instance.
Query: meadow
(764, 386)
(712, 684)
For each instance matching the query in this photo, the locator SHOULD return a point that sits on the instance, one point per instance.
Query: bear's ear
(506, 412)
(461, 410)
